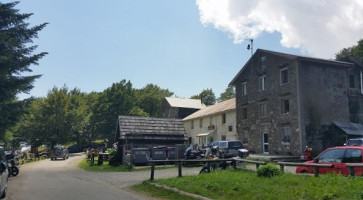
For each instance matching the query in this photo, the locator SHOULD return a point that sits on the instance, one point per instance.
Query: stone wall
(255, 125)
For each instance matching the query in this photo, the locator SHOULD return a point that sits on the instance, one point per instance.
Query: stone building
(285, 102)
(215, 122)
(179, 108)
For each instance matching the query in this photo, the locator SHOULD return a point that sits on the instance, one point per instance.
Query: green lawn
(105, 167)
(230, 184)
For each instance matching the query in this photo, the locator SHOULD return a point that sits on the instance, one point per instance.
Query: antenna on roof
(250, 46)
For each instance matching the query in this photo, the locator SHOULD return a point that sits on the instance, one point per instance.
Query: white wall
(220, 128)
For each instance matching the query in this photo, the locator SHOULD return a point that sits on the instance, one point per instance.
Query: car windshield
(235, 145)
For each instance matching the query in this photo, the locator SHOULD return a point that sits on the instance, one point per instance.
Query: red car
(338, 156)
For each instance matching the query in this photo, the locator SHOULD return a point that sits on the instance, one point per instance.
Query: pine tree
(15, 58)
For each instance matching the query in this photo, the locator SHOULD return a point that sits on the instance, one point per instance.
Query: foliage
(61, 117)
(235, 184)
(137, 111)
(355, 50)
(268, 171)
(70, 115)
(149, 99)
(229, 93)
(112, 102)
(16, 57)
(207, 97)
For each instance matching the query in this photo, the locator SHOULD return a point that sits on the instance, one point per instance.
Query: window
(262, 83)
(351, 81)
(230, 128)
(201, 123)
(244, 113)
(284, 76)
(223, 137)
(263, 110)
(223, 118)
(286, 136)
(353, 156)
(333, 155)
(263, 63)
(192, 124)
(245, 135)
(285, 106)
(244, 88)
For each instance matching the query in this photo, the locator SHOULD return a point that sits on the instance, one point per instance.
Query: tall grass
(230, 184)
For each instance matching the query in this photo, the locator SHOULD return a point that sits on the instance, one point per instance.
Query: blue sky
(176, 45)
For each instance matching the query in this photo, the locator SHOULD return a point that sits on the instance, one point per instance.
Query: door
(265, 143)
(335, 157)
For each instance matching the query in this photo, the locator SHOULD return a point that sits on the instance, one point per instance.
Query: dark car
(59, 152)
(74, 149)
(4, 175)
(338, 156)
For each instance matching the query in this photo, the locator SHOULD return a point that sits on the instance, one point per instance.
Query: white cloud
(319, 27)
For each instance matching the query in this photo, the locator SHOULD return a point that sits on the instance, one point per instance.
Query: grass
(158, 193)
(105, 167)
(230, 184)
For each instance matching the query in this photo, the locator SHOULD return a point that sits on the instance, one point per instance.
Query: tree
(207, 97)
(355, 50)
(229, 93)
(150, 98)
(112, 102)
(16, 57)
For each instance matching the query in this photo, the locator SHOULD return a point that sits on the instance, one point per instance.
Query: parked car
(59, 152)
(74, 149)
(338, 156)
(355, 142)
(229, 148)
(4, 175)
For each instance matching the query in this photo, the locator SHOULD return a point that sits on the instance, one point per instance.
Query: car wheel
(5, 192)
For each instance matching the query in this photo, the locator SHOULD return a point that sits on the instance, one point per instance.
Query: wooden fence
(316, 166)
(181, 162)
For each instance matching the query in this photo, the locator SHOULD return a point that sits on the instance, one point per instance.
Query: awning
(205, 133)
(350, 128)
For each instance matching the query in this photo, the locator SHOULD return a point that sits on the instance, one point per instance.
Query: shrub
(268, 171)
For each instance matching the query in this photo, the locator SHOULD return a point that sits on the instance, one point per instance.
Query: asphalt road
(62, 179)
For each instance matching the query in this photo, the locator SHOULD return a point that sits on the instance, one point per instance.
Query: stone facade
(285, 102)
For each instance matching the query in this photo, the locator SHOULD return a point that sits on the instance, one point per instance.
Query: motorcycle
(13, 164)
(191, 153)
(215, 154)
(306, 156)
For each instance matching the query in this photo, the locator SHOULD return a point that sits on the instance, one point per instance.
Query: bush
(268, 171)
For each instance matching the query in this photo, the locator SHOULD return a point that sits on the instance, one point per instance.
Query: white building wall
(221, 129)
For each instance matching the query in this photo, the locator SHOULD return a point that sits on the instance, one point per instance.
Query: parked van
(229, 148)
